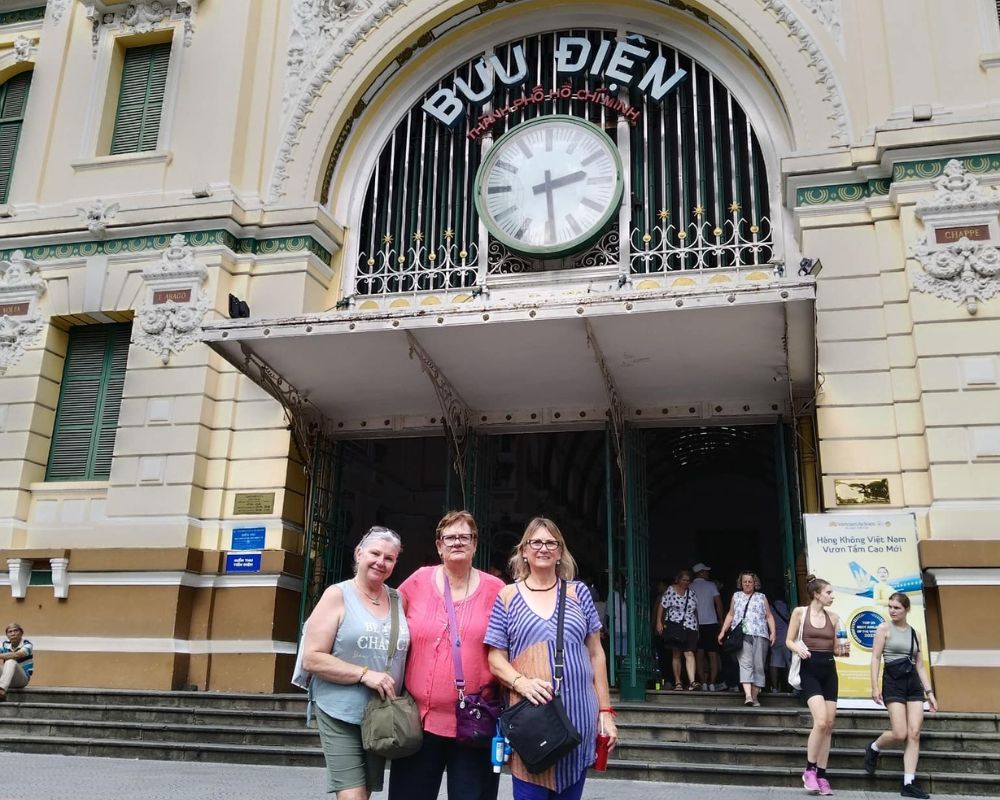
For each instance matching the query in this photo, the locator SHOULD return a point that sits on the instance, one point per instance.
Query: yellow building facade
(796, 252)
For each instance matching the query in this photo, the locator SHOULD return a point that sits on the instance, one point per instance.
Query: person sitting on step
(17, 656)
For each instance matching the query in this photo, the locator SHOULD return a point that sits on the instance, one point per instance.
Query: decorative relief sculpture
(140, 16)
(959, 255)
(20, 321)
(323, 33)
(57, 9)
(817, 60)
(828, 12)
(171, 318)
(24, 48)
(98, 216)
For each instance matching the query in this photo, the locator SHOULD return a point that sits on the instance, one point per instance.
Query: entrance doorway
(722, 495)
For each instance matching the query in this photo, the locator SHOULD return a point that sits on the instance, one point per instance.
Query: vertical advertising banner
(866, 557)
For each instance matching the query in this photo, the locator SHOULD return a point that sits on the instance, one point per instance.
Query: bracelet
(364, 671)
(610, 711)
(515, 681)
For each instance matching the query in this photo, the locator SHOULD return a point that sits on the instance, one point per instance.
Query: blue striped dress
(530, 642)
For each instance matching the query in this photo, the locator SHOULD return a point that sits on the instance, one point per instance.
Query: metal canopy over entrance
(724, 355)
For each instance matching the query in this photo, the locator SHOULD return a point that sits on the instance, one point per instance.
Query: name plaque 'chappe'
(620, 63)
(254, 503)
(951, 234)
(14, 309)
(172, 295)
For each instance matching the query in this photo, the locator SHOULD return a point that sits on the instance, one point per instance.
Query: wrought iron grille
(699, 190)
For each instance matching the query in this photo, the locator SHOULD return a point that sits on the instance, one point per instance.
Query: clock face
(549, 186)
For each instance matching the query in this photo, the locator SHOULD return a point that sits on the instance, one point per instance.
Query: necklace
(375, 601)
(544, 589)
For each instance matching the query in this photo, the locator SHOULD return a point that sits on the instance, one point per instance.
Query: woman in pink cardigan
(430, 671)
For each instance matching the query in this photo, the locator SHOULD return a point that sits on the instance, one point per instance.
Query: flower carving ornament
(964, 271)
(168, 326)
(140, 16)
(20, 289)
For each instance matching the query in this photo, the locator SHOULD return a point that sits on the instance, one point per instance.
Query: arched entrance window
(698, 194)
(13, 100)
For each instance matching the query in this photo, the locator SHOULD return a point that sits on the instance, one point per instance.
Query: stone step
(842, 779)
(946, 741)
(703, 698)
(152, 713)
(231, 700)
(763, 753)
(156, 733)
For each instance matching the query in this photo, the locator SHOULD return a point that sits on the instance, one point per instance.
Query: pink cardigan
(430, 673)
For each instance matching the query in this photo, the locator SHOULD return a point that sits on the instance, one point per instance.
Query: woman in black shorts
(817, 649)
(904, 684)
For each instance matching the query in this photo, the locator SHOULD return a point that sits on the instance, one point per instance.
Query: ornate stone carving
(323, 33)
(965, 271)
(20, 289)
(815, 59)
(828, 12)
(98, 216)
(140, 16)
(57, 8)
(24, 48)
(171, 317)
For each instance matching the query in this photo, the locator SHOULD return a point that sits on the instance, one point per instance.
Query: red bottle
(603, 746)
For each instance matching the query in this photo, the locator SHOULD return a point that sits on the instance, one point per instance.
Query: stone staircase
(690, 737)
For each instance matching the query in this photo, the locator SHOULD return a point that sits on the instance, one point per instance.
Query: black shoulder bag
(543, 734)
(732, 642)
(902, 667)
(674, 633)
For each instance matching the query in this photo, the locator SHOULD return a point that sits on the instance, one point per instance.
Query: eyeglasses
(453, 539)
(538, 544)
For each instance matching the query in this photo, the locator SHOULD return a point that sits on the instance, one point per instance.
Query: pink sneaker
(810, 782)
(824, 787)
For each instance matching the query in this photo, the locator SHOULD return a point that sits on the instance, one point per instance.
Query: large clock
(549, 186)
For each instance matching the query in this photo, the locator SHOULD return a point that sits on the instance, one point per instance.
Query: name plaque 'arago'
(162, 296)
(254, 503)
(620, 63)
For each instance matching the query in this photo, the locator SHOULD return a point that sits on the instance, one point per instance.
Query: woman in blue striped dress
(521, 636)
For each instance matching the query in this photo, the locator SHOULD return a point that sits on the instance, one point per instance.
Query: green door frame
(785, 484)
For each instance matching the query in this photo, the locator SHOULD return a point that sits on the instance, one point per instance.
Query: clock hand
(548, 185)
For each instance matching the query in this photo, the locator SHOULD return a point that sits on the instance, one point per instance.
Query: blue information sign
(248, 538)
(243, 562)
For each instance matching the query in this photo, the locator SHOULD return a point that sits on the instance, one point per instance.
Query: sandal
(694, 687)
(678, 687)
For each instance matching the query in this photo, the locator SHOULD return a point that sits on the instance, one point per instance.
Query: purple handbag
(476, 713)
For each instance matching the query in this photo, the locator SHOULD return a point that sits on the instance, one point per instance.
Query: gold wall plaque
(861, 491)
(254, 503)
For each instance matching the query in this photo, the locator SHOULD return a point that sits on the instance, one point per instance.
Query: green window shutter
(140, 99)
(90, 397)
(13, 99)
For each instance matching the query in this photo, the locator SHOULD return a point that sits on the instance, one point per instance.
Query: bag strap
(560, 618)
(393, 624)
(456, 641)
(802, 625)
(746, 608)
(914, 645)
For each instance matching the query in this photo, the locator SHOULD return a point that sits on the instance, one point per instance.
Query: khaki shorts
(347, 763)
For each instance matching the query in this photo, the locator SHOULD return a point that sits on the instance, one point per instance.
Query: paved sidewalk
(48, 777)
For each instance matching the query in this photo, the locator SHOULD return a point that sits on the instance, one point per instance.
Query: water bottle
(843, 645)
(499, 751)
(602, 750)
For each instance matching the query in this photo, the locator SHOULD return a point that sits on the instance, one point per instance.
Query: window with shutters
(140, 98)
(13, 99)
(90, 398)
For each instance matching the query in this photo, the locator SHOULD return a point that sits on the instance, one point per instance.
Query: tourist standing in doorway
(345, 651)
(817, 646)
(905, 682)
(781, 657)
(678, 626)
(709, 614)
(430, 670)
(521, 636)
(17, 658)
(749, 610)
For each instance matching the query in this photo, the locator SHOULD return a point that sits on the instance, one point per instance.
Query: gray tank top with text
(362, 639)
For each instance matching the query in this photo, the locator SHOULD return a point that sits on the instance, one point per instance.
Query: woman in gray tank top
(345, 650)
(905, 682)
